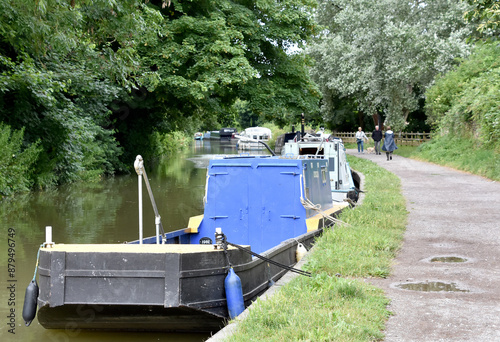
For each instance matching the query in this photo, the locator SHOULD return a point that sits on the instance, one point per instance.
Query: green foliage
(207, 55)
(246, 118)
(16, 161)
(285, 92)
(66, 111)
(168, 144)
(381, 55)
(98, 82)
(340, 114)
(465, 101)
(275, 133)
(57, 83)
(487, 14)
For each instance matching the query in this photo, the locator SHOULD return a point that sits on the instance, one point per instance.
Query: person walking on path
(389, 143)
(377, 137)
(360, 139)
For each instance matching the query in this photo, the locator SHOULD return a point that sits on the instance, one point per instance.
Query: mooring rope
(224, 246)
(317, 207)
(37, 260)
(286, 267)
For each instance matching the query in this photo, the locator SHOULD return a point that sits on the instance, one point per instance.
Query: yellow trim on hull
(132, 248)
(193, 224)
(313, 223)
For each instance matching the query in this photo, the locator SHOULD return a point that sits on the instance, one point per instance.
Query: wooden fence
(403, 138)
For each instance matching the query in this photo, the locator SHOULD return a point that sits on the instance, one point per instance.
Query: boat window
(309, 150)
(323, 175)
(307, 193)
(255, 137)
(331, 164)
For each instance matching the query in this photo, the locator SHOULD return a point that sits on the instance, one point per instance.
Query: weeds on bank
(458, 152)
(406, 151)
(461, 153)
(367, 247)
(336, 304)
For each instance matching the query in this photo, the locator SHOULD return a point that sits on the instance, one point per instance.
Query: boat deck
(318, 221)
(133, 248)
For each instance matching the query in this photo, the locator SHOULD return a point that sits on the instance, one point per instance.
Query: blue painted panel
(317, 184)
(256, 201)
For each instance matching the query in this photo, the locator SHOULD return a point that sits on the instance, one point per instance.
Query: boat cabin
(260, 201)
(341, 180)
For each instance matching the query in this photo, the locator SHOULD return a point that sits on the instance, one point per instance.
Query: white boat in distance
(250, 137)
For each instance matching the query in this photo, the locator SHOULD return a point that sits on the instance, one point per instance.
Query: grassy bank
(459, 153)
(328, 307)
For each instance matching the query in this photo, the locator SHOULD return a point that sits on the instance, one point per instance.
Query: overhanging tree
(209, 53)
(94, 78)
(384, 54)
(62, 63)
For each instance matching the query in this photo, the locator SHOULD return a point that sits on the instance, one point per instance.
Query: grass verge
(459, 153)
(346, 308)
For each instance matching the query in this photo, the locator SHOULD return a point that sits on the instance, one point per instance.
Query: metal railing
(141, 173)
(403, 138)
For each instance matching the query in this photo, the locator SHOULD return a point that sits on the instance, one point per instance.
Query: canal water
(103, 212)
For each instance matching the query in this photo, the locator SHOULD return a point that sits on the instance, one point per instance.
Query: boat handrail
(205, 198)
(320, 146)
(310, 156)
(141, 173)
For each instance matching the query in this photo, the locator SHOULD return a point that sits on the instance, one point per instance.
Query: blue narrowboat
(258, 210)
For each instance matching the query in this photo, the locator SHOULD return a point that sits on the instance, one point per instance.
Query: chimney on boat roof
(302, 133)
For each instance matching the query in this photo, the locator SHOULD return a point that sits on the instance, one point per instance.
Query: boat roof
(257, 130)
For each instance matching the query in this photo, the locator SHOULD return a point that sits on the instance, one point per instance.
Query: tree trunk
(377, 120)
(406, 113)
(361, 120)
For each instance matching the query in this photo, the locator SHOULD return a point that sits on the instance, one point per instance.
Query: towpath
(452, 215)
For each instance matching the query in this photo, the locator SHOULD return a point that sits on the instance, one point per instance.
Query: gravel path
(451, 214)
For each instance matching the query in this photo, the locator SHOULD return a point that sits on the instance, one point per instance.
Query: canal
(103, 212)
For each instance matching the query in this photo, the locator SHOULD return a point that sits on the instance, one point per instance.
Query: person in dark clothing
(389, 143)
(377, 137)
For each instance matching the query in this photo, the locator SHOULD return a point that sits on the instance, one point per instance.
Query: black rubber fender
(30, 303)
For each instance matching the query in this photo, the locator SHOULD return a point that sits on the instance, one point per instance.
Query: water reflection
(106, 212)
(448, 259)
(432, 286)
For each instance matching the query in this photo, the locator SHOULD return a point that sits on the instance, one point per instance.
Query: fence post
(404, 138)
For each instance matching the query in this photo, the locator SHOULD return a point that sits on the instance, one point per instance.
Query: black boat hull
(151, 291)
